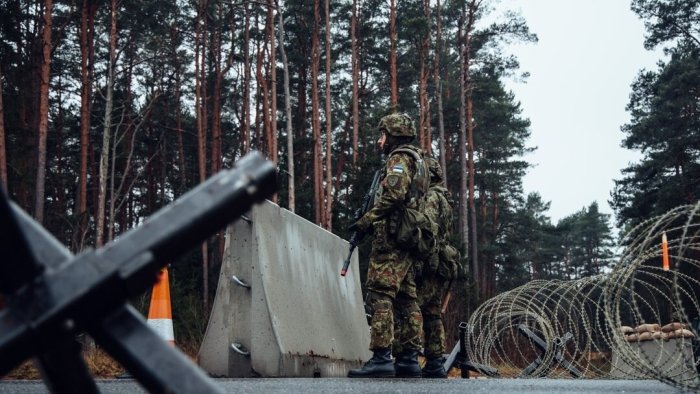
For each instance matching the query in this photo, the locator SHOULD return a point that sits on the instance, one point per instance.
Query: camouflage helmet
(398, 125)
(435, 169)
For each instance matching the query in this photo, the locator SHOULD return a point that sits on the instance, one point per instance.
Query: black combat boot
(435, 368)
(379, 366)
(406, 365)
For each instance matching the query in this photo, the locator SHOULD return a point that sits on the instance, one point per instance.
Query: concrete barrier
(281, 307)
(671, 358)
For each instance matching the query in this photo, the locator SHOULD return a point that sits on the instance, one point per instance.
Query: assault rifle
(358, 235)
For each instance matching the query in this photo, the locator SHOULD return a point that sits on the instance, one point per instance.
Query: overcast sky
(588, 54)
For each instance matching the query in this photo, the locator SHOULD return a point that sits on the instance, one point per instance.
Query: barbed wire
(639, 321)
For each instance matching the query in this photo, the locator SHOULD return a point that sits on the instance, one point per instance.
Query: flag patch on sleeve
(397, 168)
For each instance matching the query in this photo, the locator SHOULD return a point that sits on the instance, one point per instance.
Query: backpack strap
(411, 152)
(421, 177)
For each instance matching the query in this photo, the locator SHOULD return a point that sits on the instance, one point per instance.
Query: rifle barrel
(346, 263)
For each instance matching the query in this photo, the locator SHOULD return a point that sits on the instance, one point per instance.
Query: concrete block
(672, 359)
(299, 318)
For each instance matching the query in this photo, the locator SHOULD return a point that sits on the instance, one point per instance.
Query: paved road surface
(298, 385)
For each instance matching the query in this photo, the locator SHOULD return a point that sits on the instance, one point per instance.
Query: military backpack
(412, 228)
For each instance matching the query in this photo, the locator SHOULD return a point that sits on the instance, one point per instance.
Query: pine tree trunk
(438, 90)
(496, 217)
(272, 72)
(259, 99)
(463, 212)
(355, 85)
(470, 144)
(204, 140)
(262, 121)
(329, 140)
(121, 194)
(261, 129)
(422, 93)
(220, 73)
(178, 110)
(216, 54)
(200, 89)
(221, 68)
(393, 37)
(201, 113)
(107, 129)
(272, 64)
(24, 186)
(245, 111)
(424, 118)
(87, 59)
(264, 92)
(43, 128)
(126, 124)
(315, 116)
(288, 113)
(59, 182)
(470, 172)
(300, 122)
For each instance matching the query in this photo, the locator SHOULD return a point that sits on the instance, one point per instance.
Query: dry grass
(26, 371)
(100, 364)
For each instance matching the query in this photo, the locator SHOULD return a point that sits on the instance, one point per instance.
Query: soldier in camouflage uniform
(435, 285)
(435, 278)
(390, 277)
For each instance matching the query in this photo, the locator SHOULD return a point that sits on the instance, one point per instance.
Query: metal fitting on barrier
(240, 282)
(240, 349)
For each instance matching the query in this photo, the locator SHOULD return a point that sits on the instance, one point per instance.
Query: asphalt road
(332, 385)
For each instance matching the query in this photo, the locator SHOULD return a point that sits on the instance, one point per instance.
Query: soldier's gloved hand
(362, 224)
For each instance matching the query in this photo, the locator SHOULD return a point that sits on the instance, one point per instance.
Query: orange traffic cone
(160, 316)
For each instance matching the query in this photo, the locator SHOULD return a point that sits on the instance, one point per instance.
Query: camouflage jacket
(439, 210)
(394, 189)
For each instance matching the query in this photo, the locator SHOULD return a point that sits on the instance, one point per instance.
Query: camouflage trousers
(430, 295)
(391, 287)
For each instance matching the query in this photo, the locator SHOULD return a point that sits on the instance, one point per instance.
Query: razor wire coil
(585, 324)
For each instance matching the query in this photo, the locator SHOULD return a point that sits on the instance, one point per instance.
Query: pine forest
(111, 109)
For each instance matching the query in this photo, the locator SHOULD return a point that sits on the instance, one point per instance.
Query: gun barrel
(346, 263)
